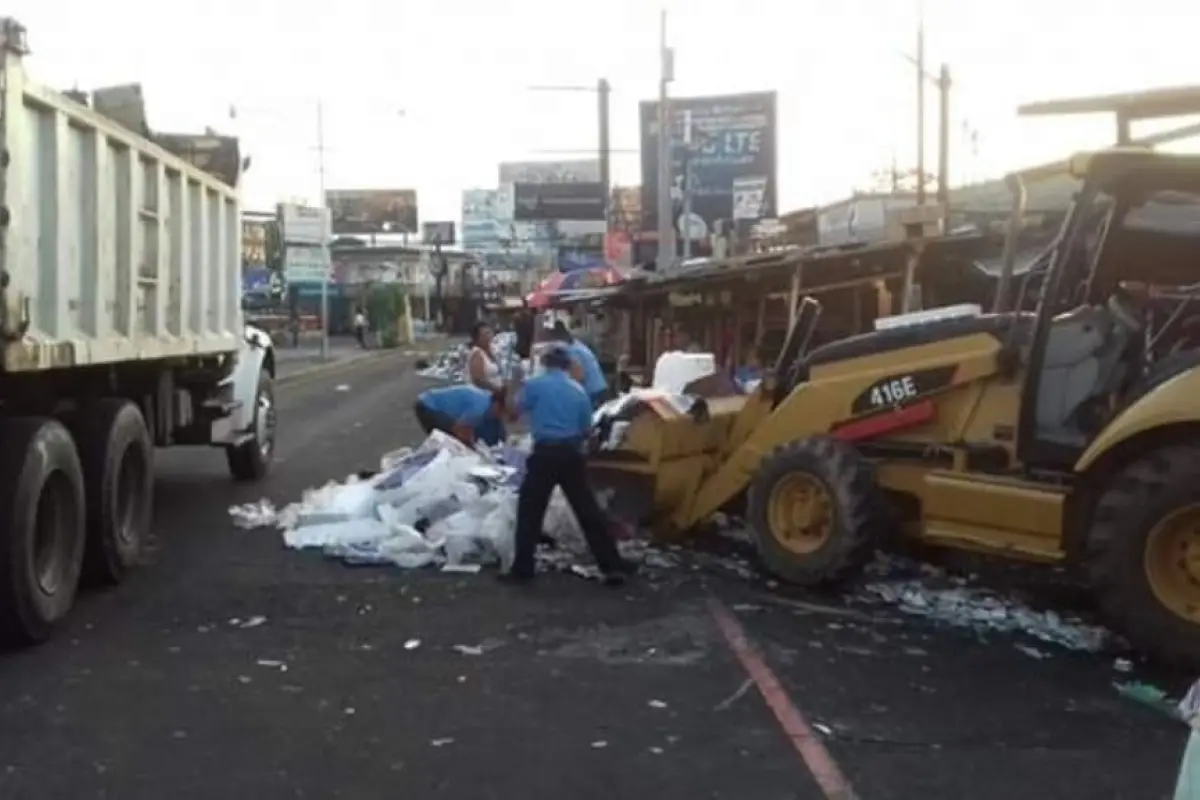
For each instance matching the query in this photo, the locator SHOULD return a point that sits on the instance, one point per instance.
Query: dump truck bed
(115, 249)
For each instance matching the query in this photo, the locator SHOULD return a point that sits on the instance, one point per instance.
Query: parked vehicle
(121, 331)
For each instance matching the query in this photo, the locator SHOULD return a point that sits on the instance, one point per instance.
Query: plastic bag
(498, 528)
(353, 531)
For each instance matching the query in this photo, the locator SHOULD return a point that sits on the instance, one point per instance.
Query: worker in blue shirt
(459, 410)
(585, 366)
(560, 420)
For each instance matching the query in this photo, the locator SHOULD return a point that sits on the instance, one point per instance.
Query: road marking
(807, 743)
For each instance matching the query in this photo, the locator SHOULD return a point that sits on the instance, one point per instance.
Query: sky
(432, 95)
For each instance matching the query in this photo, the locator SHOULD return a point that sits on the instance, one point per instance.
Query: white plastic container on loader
(120, 331)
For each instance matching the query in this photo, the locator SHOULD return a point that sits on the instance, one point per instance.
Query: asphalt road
(687, 684)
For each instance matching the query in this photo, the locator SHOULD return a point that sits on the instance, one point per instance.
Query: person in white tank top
(484, 372)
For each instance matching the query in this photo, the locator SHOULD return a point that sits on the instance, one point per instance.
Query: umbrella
(572, 281)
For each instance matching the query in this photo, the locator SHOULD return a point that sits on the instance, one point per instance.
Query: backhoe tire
(118, 469)
(842, 498)
(42, 527)
(251, 460)
(1137, 570)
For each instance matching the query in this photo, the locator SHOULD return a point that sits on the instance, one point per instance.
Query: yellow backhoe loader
(1070, 433)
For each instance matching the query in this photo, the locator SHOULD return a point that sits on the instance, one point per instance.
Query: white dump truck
(121, 331)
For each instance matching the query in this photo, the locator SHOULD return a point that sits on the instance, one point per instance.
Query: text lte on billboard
(733, 140)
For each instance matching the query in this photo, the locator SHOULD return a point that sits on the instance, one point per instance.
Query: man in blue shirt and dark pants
(587, 367)
(560, 420)
(458, 410)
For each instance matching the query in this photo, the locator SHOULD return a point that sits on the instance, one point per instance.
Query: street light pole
(321, 202)
(666, 231)
(686, 227)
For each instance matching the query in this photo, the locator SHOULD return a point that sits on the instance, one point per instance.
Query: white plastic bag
(353, 531)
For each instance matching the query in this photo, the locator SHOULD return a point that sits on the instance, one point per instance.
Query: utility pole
(325, 247)
(943, 84)
(686, 228)
(605, 154)
(921, 110)
(666, 231)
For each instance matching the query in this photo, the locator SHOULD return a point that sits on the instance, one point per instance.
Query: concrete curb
(338, 365)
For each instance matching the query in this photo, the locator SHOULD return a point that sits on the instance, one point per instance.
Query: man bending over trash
(458, 410)
(560, 419)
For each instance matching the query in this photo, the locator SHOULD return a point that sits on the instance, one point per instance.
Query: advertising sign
(306, 264)
(304, 224)
(578, 202)
(254, 242)
(481, 227)
(579, 170)
(749, 197)
(437, 232)
(733, 136)
(359, 211)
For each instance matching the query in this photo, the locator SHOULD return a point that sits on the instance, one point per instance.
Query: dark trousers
(562, 465)
(431, 420)
(360, 333)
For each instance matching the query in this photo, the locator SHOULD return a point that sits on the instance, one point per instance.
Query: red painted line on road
(816, 757)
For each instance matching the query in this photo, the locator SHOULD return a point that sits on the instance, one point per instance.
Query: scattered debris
(464, 569)
(271, 663)
(824, 729)
(245, 624)
(657, 704)
(468, 650)
(733, 698)
(600, 745)
(980, 609)
(658, 751)
(441, 742)
(1032, 652)
(1123, 665)
(412, 644)
(342, 387)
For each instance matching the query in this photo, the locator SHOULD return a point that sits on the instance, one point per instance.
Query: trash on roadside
(412, 644)
(980, 609)
(443, 504)
(657, 704)
(441, 742)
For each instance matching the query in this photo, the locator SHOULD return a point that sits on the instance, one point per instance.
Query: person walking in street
(586, 367)
(523, 328)
(483, 372)
(360, 328)
(459, 410)
(560, 421)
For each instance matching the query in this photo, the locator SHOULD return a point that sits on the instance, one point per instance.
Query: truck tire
(1143, 559)
(816, 511)
(41, 527)
(251, 460)
(117, 457)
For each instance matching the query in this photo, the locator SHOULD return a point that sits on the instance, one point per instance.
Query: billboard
(481, 227)
(304, 224)
(437, 232)
(359, 211)
(733, 138)
(585, 170)
(577, 202)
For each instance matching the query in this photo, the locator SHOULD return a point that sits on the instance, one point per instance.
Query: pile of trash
(441, 504)
(451, 364)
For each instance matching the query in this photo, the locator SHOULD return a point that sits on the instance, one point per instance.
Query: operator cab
(1117, 301)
